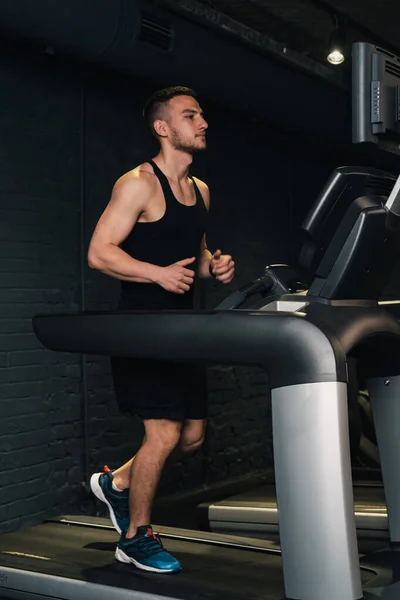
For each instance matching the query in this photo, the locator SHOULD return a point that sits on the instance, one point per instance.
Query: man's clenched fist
(177, 278)
(222, 267)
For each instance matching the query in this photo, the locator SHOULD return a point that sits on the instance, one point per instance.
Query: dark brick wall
(41, 426)
(67, 135)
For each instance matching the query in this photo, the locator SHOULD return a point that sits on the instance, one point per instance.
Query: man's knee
(188, 446)
(163, 435)
(192, 437)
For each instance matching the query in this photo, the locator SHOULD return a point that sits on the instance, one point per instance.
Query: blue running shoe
(117, 502)
(146, 552)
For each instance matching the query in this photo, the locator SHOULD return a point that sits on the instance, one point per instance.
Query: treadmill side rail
(292, 350)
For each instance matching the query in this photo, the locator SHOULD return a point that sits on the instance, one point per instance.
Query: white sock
(115, 487)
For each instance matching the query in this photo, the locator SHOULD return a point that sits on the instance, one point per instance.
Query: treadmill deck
(85, 554)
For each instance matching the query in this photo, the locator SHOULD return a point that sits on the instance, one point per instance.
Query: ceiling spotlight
(336, 48)
(335, 57)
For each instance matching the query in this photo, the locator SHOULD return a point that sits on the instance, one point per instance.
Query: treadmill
(305, 351)
(254, 512)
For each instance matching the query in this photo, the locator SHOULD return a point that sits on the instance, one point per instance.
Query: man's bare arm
(203, 267)
(205, 256)
(218, 265)
(128, 200)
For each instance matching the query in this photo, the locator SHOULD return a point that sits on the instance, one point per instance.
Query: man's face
(186, 127)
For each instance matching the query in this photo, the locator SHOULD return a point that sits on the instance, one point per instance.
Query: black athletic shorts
(154, 389)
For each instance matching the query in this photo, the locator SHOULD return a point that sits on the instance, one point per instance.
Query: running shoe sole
(98, 492)
(124, 558)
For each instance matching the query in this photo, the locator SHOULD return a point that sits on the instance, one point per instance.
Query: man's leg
(109, 487)
(139, 545)
(122, 475)
(191, 439)
(162, 437)
(192, 436)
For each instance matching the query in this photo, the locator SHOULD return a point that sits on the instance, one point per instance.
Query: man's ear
(160, 127)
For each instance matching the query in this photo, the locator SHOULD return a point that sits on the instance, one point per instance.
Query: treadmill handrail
(292, 350)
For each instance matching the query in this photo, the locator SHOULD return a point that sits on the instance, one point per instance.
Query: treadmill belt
(86, 554)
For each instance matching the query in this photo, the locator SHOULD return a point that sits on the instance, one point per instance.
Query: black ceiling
(304, 26)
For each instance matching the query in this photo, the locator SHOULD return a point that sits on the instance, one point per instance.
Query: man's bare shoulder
(138, 180)
(204, 190)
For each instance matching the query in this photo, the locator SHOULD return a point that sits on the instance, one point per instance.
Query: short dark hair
(160, 99)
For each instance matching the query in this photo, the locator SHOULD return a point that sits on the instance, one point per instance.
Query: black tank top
(176, 236)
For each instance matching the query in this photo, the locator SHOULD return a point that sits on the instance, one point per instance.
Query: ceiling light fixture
(336, 48)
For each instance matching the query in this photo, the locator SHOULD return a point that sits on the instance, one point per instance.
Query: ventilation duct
(155, 31)
(163, 48)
